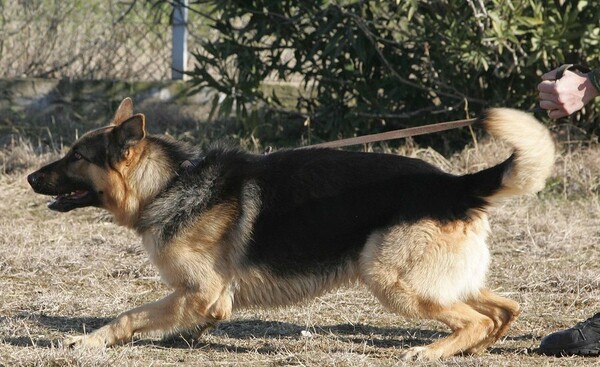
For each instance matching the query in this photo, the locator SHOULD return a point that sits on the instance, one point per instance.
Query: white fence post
(179, 51)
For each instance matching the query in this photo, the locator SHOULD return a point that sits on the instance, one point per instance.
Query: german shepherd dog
(236, 230)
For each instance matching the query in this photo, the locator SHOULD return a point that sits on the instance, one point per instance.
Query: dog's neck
(156, 169)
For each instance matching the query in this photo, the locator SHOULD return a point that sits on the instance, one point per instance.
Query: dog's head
(103, 168)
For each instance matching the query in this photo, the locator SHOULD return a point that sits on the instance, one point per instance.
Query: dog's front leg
(182, 309)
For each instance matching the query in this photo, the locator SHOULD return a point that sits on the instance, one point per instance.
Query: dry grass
(63, 274)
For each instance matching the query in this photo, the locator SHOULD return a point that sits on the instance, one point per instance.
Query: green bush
(368, 66)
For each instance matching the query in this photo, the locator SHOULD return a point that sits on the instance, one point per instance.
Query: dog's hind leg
(469, 327)
(428, 270)
(502, 311)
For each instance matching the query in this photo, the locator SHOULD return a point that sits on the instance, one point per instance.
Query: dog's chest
(155, 248)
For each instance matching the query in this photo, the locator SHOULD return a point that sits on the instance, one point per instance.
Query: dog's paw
(84, 341)
(419, 354)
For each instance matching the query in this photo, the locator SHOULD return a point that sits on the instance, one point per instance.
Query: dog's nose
(34, 178)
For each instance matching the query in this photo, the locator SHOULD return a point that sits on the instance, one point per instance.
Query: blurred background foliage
(369, 66)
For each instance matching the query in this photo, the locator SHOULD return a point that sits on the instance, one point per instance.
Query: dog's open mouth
(73, 200)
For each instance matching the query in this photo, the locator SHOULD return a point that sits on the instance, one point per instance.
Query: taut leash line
(395, 134)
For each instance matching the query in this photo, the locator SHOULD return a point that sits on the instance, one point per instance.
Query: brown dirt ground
(64, 274)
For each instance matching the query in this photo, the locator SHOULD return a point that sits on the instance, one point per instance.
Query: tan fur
(256, 287)
(535, 151)
(199, 254)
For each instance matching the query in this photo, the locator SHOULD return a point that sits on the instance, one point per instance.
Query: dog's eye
(77, 156)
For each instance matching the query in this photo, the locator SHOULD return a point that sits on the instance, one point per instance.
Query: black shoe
(582, 339)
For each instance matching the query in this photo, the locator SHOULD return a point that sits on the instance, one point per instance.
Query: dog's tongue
(77, 194)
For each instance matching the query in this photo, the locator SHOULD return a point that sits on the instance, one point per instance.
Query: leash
(395, 134)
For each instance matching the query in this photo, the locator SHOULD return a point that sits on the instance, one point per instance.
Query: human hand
(566, 95)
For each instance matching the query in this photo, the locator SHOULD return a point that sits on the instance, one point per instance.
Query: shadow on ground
(372, 336)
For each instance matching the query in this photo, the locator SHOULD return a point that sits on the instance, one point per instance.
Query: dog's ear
(130, 131)
(124, 112)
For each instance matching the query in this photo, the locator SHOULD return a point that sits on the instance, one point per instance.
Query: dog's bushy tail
(526, 171)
